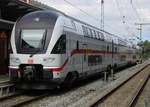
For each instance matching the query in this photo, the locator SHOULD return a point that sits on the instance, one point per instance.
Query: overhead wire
(140, 8)
(134, 8)
(122, 15)
(80, 9)
(96, 9)
(108, 25)
(120, 12)
(91, 16)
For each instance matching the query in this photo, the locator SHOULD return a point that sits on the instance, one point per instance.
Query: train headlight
(14, 60)
(47, 60)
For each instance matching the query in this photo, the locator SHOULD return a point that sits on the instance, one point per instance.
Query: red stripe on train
(14, 69)
(81, 51)
(62, 67)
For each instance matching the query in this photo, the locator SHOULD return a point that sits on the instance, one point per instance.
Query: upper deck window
(32, 39)
(89, 32)
(93, 33)
(101, 36)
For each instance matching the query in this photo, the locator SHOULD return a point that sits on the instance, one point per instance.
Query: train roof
(45, 13)
(45, 19)
(108, 36)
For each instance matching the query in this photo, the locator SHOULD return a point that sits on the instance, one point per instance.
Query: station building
(10, 11)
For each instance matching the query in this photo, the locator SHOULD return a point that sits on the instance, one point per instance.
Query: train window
(99, 36)
(73, 24)
(84, 30)
(32, 39)
(77, 45)
(95, 34)
(115, 49)
(91, 33)
(107, 48)
(94, 60)
(134, 56)
(102, 36)
(122, 58)
(60, 46)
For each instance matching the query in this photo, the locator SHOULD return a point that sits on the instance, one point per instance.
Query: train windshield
(32, 39)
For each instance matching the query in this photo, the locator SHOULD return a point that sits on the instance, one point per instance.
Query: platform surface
(4, 78)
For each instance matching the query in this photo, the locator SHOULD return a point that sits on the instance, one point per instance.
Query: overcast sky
(116, 12)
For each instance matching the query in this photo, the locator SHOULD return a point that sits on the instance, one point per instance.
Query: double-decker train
(50, 48)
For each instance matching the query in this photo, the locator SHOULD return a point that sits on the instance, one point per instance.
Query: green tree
(145, 47)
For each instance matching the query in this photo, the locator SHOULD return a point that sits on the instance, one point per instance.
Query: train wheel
(70, 79)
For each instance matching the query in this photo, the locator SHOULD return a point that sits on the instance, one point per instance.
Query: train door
(74, 45)
(84, 58)
(3, 52)
(112, 57)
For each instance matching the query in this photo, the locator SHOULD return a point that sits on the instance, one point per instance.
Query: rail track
(19, 99)
(138, 92)
(126, 93)
(142, 100)
(25, 99)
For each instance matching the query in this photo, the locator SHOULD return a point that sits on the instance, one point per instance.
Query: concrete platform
(4, 78)
(6, 87)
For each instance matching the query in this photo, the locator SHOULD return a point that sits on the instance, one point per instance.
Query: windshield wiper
(37, 51)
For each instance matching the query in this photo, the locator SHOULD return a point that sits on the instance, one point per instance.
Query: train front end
(32, 41)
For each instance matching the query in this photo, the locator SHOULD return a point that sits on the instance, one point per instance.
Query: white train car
(51, 48)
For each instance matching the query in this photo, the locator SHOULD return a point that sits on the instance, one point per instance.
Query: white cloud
(144, 13)
(114, 13)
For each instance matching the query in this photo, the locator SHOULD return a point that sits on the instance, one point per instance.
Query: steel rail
(98, 101)
(138, 92)
(10, 96)
(21, 102)
(30, 100)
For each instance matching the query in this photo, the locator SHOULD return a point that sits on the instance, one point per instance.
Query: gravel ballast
(82, 95)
